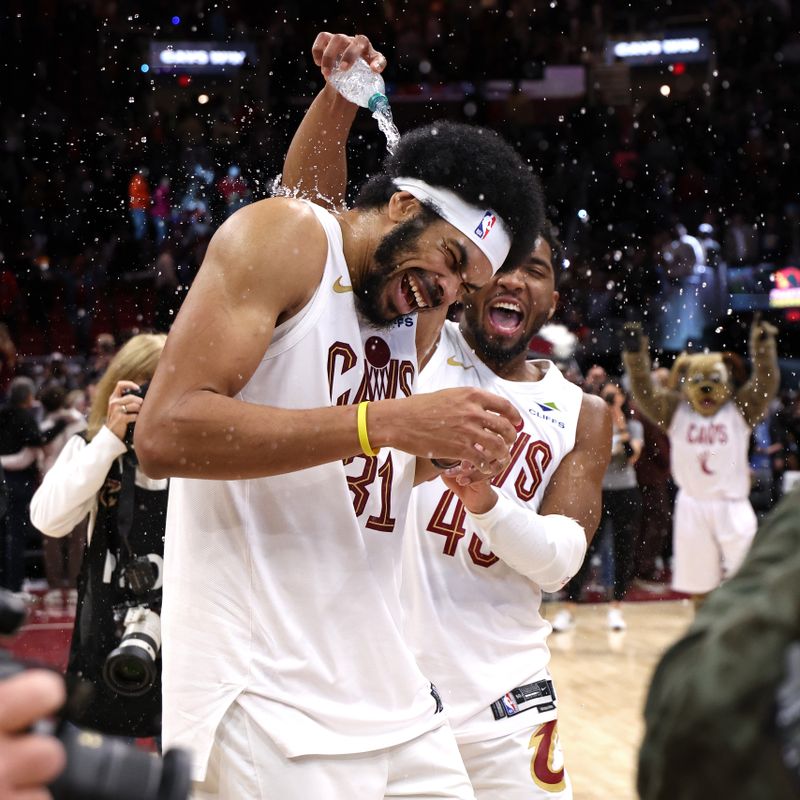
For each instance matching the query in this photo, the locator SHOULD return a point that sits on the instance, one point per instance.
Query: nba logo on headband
(485, 225)
(460, 214)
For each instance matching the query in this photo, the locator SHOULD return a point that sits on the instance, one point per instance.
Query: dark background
(622, 162)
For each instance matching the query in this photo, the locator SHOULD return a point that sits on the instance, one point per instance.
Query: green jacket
(710, 713)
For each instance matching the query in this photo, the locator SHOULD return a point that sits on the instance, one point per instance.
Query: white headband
(482, 226)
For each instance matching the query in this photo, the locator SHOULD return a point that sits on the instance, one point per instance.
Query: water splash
(383, 116)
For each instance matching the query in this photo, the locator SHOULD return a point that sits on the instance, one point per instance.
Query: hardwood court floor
(601, 677)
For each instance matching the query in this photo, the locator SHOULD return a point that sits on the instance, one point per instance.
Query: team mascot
(708, 410)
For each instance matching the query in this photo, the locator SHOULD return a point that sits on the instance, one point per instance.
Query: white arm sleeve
(548, 549)
(69, 490)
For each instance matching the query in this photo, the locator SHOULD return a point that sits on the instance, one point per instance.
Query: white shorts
(710, 540)
(527, 764)
(245, 764)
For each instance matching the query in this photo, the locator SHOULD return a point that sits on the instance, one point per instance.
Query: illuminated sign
(786, 288)
(689, 45)
(208, 57)
(654, 47)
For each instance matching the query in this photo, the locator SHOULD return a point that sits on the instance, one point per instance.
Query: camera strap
(125, 503)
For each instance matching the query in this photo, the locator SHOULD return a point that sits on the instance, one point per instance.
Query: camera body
(131, 669)
(98, 767)
(140, 392)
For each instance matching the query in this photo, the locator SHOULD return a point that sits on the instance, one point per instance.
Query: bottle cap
(377, 101)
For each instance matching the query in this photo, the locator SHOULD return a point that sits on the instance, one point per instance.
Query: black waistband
(539, 695)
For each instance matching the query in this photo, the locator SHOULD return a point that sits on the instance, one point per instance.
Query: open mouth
(505, 317)
(414, 292)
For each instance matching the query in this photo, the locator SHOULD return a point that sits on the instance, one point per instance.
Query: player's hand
(332, 48)
(123, 408)
(464, 424)
(28, 762)
(471, 487)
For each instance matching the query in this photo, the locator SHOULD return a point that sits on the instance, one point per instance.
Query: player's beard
(496, 351)
(370, 292)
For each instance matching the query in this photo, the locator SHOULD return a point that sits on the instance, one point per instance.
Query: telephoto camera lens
(101, 768)
(131, 669)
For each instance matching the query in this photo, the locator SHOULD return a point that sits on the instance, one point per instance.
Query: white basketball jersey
(473, 622)
(709, 454)
(284, 591)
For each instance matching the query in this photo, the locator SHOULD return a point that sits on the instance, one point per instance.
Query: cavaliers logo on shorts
(547, 762)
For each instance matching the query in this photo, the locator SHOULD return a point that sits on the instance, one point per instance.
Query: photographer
(119, 586)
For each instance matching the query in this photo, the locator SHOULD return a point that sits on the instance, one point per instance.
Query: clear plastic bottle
(360, 85)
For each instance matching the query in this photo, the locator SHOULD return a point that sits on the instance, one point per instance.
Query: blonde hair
(136, 361)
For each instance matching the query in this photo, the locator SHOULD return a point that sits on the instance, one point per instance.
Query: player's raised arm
(316, 162)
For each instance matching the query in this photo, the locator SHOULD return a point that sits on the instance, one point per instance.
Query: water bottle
(360, 85)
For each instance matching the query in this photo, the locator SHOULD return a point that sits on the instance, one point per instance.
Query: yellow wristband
(363, 439)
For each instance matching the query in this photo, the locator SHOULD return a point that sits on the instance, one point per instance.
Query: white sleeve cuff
(547, 549)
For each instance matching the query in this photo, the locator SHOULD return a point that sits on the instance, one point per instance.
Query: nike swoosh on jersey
(453, 362)
(340, 288)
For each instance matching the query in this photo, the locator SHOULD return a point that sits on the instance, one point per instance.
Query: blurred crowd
(109, 194)
(632, 549)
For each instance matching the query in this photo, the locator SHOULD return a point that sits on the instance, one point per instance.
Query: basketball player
(284, 666)
(477, 555)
